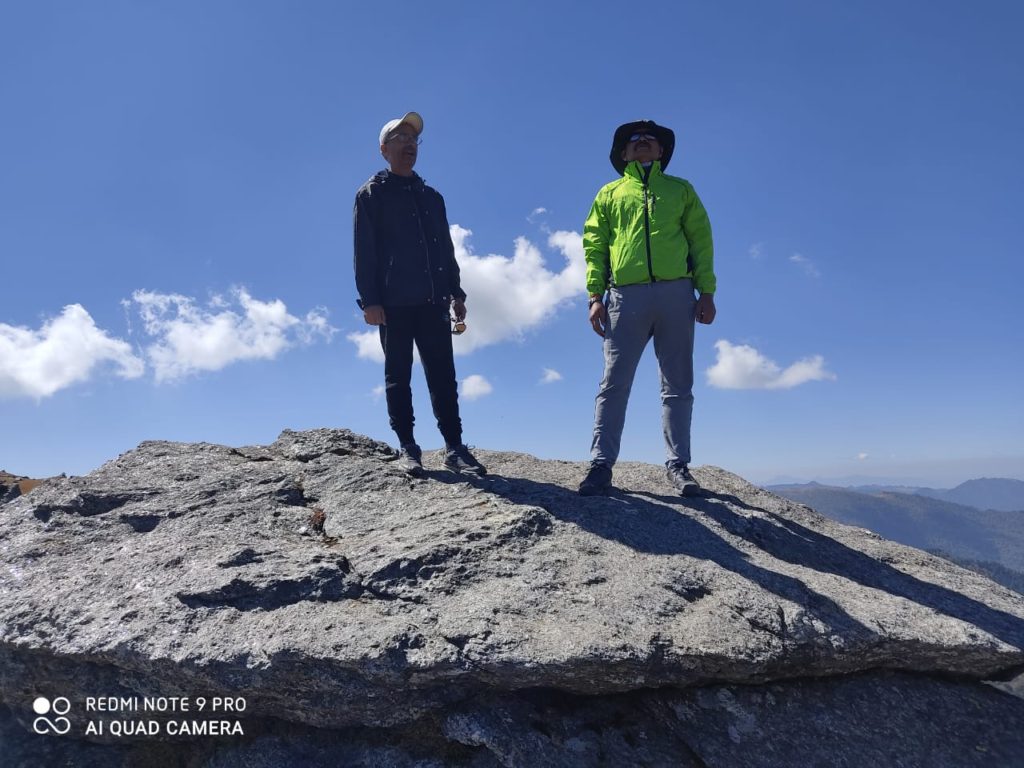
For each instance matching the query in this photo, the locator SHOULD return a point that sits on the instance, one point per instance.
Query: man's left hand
(705, 312)
(459, 308)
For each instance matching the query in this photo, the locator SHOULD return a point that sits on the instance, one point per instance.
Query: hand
(706, 308)
(374, 315)
(459, 308)
(598, 318)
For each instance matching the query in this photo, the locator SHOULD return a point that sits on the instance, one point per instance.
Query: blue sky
(176, 184)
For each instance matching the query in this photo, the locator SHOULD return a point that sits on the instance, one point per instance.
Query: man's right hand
(374, 315)
(598, 318)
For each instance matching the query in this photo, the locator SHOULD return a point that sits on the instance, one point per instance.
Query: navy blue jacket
(404, 254)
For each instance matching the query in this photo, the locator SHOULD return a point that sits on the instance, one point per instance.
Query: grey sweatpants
(664, 311)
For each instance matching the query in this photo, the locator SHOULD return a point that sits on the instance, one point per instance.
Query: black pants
(428, 326)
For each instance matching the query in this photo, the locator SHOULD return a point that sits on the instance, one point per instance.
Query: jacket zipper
(426, 247)
(647, 229)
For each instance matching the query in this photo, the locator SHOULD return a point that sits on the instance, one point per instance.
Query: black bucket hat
(666, 138)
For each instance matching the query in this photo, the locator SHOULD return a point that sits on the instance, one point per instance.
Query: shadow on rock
(661, 529)
(787, 540)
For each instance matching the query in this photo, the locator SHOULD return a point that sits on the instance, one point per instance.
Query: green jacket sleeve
(596, 237)
(697, 228)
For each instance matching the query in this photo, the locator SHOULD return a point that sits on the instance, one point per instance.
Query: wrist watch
(595, 300)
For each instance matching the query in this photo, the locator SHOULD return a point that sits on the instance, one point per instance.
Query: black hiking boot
(681, 479)
(459, 459)
(597, 482)
(410, 460)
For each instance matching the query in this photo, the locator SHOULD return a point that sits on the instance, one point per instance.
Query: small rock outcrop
(356, 616)
(13, 486)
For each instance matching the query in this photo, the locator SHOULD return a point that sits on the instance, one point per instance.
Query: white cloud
(806, 263)
(314, 325)
(535, 214)
(862, 456)
(550, 375)
(63, 352)
(187, 339)
(755, 250)
(507, 297)
(743, 367)
(378, 392)
(511, 296)
(367, 345)
(476, 386)
(190, 339)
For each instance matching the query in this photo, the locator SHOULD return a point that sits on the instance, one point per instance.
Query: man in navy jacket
(408, 282)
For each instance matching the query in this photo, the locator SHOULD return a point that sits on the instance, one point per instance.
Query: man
(647, 242)
(408, 282)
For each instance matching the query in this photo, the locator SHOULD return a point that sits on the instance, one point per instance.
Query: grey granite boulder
(494, 621)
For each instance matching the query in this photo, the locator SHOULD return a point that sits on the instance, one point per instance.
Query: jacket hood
(665, 137)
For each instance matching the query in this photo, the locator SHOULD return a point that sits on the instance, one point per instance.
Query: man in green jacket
(647, 242)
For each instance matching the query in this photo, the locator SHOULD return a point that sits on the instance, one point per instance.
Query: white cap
(412, 119)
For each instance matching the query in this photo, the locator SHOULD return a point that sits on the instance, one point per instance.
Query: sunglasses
(638, 136)
(404, 138)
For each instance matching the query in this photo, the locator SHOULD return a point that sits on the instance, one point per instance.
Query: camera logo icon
(59, 725)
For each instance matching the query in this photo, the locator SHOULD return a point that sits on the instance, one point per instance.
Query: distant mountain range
(969, 533)
(984, 493)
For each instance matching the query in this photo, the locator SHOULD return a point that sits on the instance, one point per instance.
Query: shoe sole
(413, 471)
(466, 471)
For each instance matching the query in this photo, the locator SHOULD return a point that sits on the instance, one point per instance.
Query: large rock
(501, 621)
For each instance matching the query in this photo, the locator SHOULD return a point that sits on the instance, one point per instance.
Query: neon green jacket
(641, 232)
